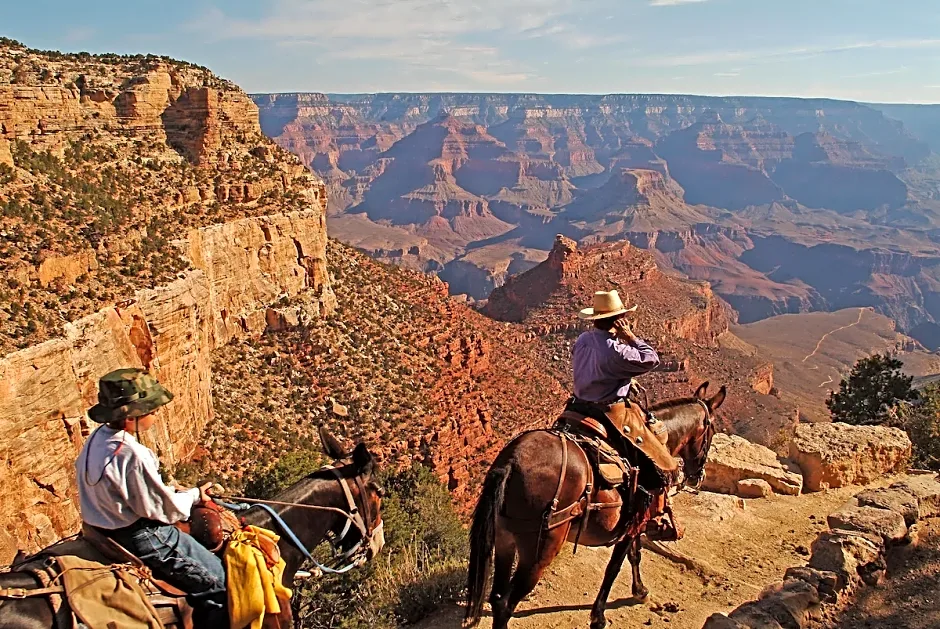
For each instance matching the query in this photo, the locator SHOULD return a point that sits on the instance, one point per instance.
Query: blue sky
(869, 50)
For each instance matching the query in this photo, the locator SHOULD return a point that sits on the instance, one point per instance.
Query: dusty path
(746, 551)
(861, 311)
(910, 598)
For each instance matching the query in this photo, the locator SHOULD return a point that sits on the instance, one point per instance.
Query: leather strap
(28, 593)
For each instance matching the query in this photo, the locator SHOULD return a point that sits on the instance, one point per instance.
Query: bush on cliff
(921, 421)
(873, 389)
(423, 562)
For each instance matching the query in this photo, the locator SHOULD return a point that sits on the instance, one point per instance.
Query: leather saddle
(608, 464)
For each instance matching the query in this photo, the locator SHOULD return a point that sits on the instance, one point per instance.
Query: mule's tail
(483, 541)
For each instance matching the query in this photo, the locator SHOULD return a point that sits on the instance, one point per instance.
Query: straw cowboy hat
(606, 304)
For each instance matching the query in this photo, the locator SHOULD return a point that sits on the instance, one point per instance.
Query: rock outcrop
(845, 558)
(242, 268)
(835, 455)
(733, 460)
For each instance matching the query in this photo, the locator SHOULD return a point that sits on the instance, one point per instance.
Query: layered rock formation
(119, 254)
(839, 183)
(686, 323)
(242, 269)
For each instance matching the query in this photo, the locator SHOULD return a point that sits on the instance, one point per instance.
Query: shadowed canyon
(783, 205)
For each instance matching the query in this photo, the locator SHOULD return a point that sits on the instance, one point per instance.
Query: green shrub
(266, 482)
(921, 421)
(875, 386)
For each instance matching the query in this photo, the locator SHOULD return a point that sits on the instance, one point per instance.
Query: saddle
(212, 525)
(608, 465)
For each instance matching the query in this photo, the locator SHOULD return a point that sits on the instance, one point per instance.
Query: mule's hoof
(641, 595)
(599, 625)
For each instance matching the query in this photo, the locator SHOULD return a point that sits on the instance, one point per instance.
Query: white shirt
(119, 482)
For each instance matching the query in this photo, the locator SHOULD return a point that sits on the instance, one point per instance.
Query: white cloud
(417, 33)
(716, 57)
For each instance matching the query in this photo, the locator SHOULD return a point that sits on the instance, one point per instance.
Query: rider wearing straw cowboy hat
(123, 496)
(605, 360)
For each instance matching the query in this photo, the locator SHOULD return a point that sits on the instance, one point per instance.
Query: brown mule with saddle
(91, 579)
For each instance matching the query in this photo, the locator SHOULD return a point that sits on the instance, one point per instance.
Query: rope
(249, 502)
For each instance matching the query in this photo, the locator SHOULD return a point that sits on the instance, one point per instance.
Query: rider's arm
(634, 357)
(150, 498)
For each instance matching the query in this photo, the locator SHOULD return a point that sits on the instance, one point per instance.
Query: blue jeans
(181, 561)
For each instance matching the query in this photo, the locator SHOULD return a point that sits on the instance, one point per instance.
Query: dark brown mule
(536, 468)
(311, 527)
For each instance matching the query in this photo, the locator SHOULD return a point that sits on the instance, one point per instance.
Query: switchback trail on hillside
(742, 550)
(819, 343)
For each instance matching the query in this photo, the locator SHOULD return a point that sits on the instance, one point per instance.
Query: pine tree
(873, 389)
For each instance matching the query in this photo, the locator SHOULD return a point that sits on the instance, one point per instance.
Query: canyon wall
(707, 183)
(242, 268)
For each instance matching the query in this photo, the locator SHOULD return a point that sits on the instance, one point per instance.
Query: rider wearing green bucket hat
(123, 495)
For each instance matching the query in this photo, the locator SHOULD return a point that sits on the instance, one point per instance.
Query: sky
(866, 50)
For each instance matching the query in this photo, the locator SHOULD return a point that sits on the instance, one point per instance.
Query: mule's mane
(673, 403)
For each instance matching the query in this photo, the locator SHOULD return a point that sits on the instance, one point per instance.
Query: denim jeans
(181, 561)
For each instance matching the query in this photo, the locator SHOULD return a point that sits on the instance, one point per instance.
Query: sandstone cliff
(111, 161)
(146, 222)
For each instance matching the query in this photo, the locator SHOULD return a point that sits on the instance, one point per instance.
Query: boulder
(733, 458)
(716, 507)
(720, 621)
(791, 603)
(751, 616)
(926, 489)
(850, 555)
(754, 488)
(835, 455)
(889, 525)
(824, 581)
(894, 499)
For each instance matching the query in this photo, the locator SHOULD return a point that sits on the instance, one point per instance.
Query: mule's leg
(598, 620)
(505, 555)
(532, 563)
(639, 590)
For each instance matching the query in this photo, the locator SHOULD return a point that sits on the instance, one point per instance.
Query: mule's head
(358, 469)
(694, 448)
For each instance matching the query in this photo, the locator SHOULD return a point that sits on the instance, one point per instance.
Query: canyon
(784, 205)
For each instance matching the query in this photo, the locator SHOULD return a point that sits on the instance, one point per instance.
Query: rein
(702, 456)
(370, 538)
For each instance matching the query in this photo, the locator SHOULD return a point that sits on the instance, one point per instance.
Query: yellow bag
(254, 588)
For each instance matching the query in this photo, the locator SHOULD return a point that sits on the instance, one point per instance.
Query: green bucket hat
(127, 393)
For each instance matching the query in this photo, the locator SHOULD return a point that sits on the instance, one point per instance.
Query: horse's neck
(681, 423)
(309, 525)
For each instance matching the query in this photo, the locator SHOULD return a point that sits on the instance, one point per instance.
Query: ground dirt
(740, 554)
(909, 598)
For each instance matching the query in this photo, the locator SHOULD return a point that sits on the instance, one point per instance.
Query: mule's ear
(331, 446)
(717, 399)
(362, 460)
(700, 391)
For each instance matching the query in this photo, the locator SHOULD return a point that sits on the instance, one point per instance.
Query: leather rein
(371, 538)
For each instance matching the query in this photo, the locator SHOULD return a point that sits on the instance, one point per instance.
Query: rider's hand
(204, 497)
(622, 330)
(175, 485)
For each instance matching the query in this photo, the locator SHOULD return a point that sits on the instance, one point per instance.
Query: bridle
(372, 534)
(696, 478)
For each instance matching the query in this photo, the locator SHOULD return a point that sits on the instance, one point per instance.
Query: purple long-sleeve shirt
(603, 365)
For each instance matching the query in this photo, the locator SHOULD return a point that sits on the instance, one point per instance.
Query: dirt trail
(819, 343)
(746, 551)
